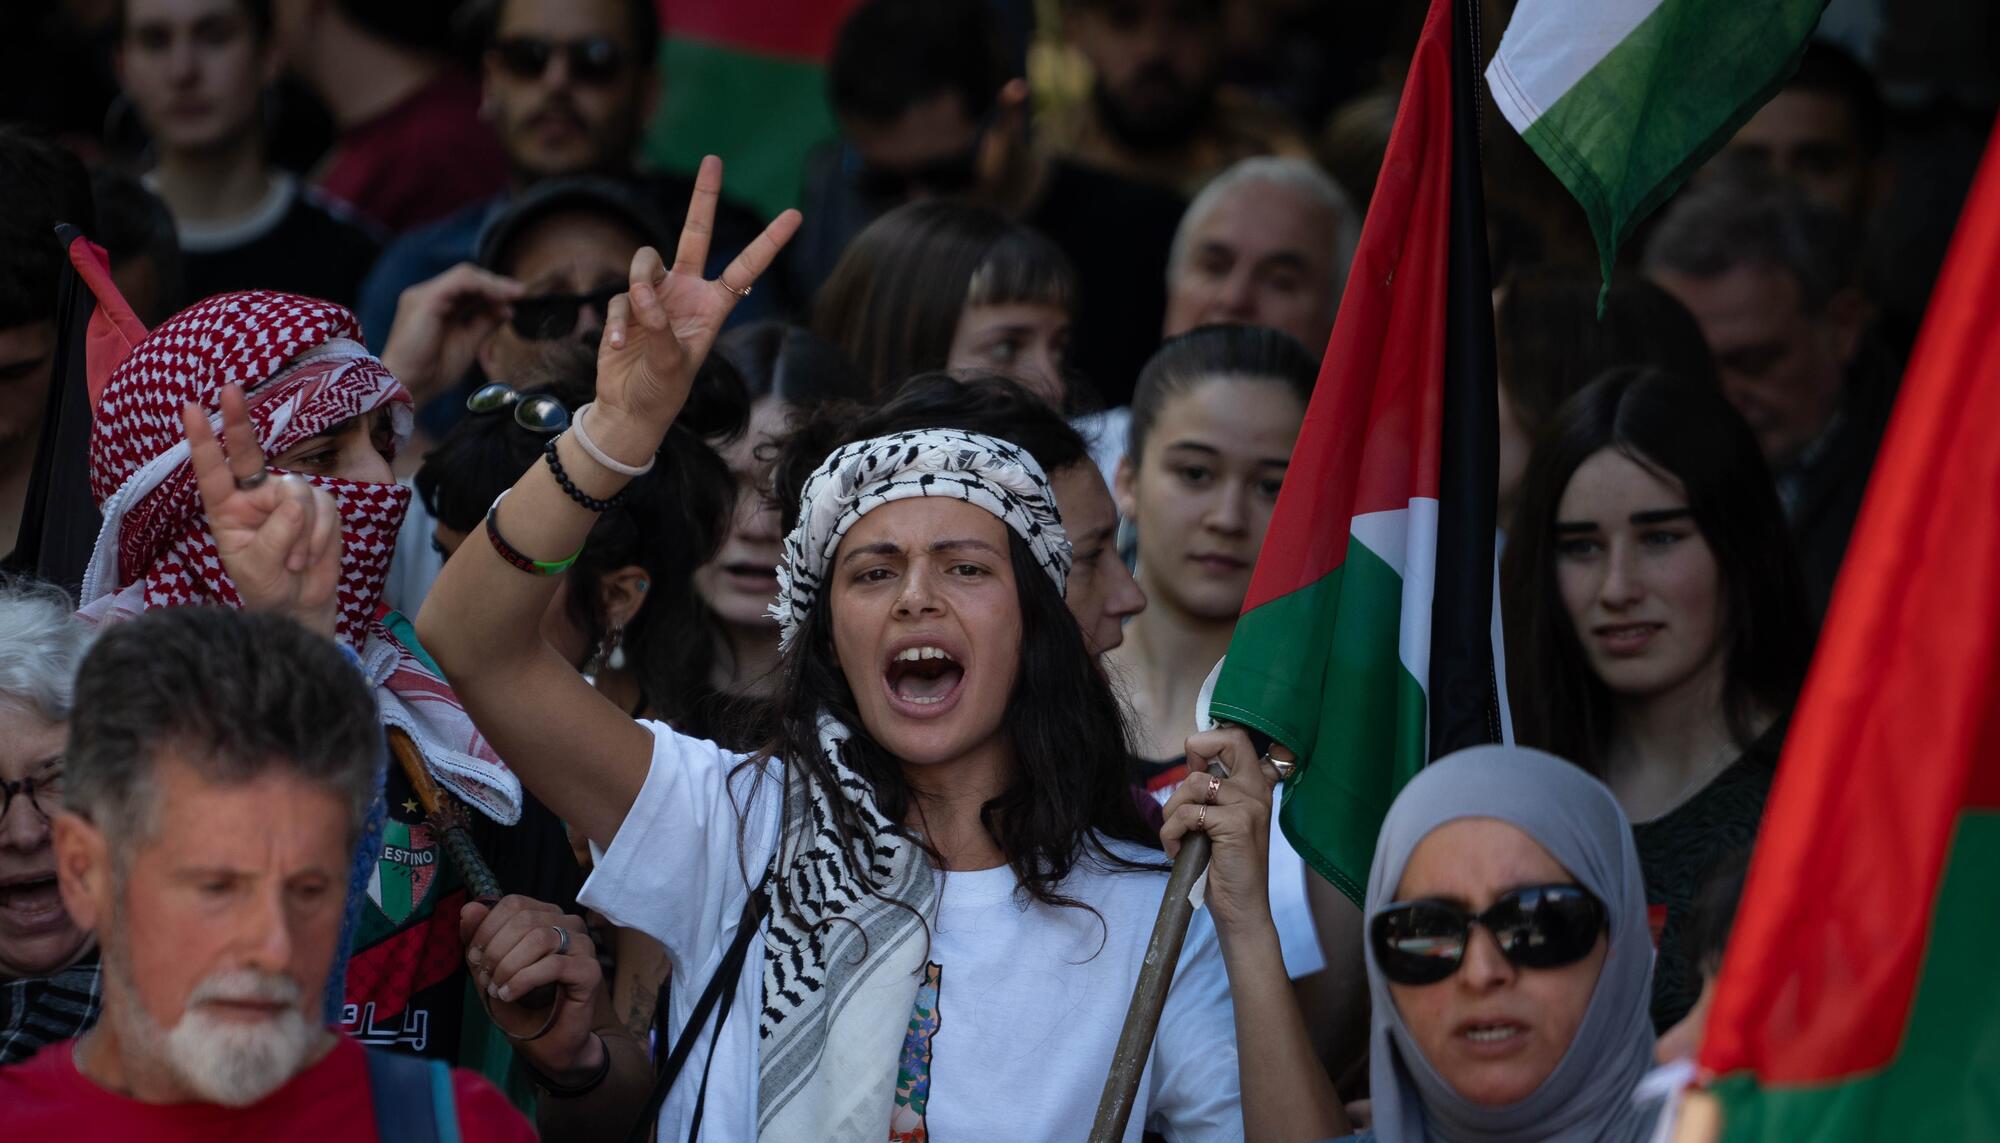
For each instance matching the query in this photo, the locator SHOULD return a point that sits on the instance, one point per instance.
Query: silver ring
(255, 479)
(1283, 768)
(742, 293)
(562, 940)
(1214, 787)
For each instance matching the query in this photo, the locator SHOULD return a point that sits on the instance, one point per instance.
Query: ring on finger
(742, 293)
(1214, 788)
(1283, 767)
(246, 483)
(562, 940)
(1201, 820)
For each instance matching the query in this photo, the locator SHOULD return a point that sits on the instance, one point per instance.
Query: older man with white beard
(218, 772)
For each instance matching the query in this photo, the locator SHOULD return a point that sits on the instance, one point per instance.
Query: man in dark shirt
(928, 105)
(566, 87)
(196, 72)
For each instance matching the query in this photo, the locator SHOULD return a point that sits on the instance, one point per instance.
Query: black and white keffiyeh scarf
(842, 965)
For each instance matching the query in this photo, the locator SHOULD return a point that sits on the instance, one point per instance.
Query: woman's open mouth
(923, 680)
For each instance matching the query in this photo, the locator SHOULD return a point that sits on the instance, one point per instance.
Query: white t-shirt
(1028, 999)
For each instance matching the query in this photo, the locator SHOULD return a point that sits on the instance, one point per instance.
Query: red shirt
(421, 159)
(45, 1097)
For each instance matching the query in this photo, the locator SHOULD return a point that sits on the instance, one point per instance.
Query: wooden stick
(1149, 995)
(1156, 975)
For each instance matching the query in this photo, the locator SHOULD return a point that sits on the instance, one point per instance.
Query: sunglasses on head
(593, 60)
(1538, 926)
(540, 413)
(546, 317)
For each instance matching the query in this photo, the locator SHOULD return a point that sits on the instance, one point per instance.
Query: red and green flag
(1366, 643)
(746, 80)
(1858, 999)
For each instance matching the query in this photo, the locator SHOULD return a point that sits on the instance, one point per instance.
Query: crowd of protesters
(566, 655)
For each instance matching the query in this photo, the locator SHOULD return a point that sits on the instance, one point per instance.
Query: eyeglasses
(595, 60)
(44, 793)
(546, 317)
(1539, 926)
(540, 413)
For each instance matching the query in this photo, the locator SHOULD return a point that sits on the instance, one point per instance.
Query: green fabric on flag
(1944, 1082)
(1664, 99)
(1354, 710)
(761, 113)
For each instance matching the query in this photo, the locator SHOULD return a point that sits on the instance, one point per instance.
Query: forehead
(1476, 859)
(1609, 486)
(576, 246)
(1083, 500)
(1232, 415)
(938, 127)
(563, 19)
(914, 524)
(27, 740)
(1742, 301)
(277, 820)
(1257, 219)
(139, 12)
(1038, 316)
(768, 418)
(1794, 117)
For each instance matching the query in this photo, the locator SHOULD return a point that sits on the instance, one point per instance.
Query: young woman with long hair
(938, 877)
(1657, 626)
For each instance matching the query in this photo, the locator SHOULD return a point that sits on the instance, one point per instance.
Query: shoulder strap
(412, 1098)
(721, 987)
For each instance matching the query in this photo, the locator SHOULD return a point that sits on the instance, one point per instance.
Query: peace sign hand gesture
(278, 536)
(658, 332)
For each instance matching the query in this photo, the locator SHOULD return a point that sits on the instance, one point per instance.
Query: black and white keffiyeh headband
(858, 478)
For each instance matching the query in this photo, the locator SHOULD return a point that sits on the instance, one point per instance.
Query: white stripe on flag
(1406, 540)
(1550, 45)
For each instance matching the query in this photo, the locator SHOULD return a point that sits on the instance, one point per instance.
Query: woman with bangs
(1658, 628)
(946, 285)
(922, 905)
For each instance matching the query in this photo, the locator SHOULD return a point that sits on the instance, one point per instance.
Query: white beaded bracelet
(598, 454)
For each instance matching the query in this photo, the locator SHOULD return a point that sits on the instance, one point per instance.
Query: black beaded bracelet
(596, 1079)
(569, 486)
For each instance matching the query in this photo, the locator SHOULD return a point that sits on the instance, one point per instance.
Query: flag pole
(1156, 975)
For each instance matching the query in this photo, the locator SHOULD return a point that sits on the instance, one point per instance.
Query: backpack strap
(412, 1098)
(721, 986)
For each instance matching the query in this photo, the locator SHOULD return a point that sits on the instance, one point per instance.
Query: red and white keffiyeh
(301, 364)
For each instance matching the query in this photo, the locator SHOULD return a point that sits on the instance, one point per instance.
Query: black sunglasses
(593, 60)
(1539, 926)
(546, 317)
(540, 413)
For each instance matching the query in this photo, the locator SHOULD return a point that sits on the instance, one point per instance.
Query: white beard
(231, 1062)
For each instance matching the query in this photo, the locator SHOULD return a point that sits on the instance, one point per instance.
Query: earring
(615, 655)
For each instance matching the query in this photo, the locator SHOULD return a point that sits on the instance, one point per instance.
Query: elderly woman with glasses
(48, 966)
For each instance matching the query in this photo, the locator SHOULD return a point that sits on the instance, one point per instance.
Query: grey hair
(235, 695)
(41, 642)
(1738, 217)
(1300, 176)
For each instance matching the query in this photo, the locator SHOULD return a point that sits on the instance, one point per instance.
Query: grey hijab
(1588, 1098)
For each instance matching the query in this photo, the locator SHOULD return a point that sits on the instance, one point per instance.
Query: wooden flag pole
(445, 817)
(1149, 994)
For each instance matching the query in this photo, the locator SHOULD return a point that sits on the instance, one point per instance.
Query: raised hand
(657, 333)
(440, 325)
(1227, 796)
(278, 536)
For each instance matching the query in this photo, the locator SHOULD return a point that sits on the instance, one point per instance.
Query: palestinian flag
(1366, 642)
(1858, 999)
(746, 80)
(1623, 98)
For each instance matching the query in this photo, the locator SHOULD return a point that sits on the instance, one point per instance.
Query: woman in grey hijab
(1536, 1028)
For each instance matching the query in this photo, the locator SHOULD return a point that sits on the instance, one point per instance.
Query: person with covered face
(309, 423)
(218, 774)
(929, 892)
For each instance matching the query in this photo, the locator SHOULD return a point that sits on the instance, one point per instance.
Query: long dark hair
(1069, 788)
(1688, 433)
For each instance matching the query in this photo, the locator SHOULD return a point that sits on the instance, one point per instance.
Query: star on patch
(409, 805)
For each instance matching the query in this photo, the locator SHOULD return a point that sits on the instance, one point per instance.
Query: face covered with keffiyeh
(322, 407)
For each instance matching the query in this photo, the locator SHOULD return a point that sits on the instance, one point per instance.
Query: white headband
(858, 478)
